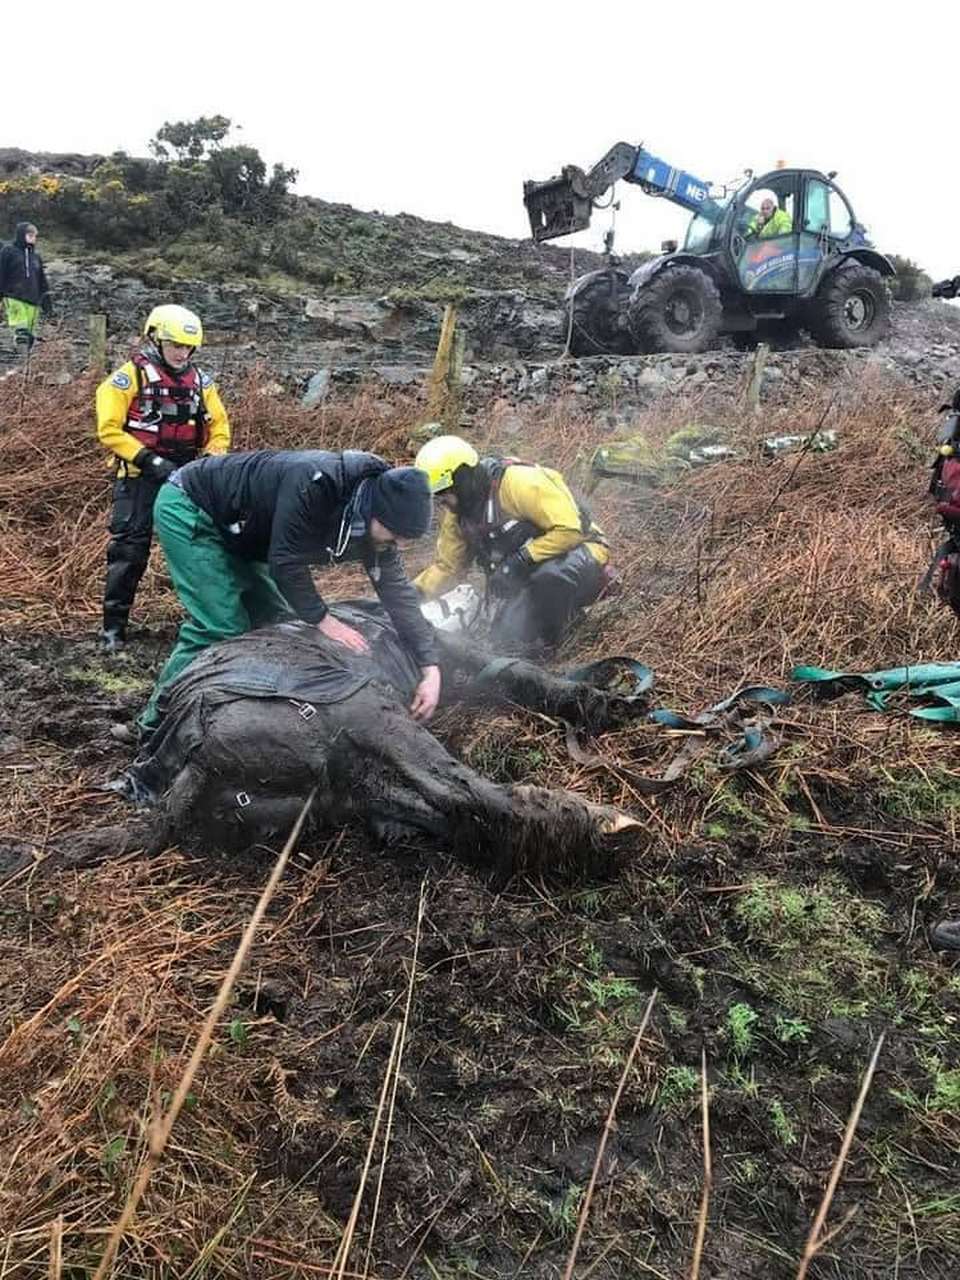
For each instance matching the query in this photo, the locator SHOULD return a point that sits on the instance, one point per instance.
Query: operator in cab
(770, 221)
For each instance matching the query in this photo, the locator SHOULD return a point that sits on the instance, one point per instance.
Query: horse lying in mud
(255, 723)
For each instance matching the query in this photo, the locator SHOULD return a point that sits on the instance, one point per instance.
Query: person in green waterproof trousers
(23, 285)
(240, 532)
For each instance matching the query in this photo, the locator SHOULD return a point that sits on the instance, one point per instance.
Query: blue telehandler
(761, 260)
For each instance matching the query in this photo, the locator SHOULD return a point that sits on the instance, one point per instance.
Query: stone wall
(512, 344)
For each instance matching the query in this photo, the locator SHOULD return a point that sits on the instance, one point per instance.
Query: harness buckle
(305, 710)
(242, 799)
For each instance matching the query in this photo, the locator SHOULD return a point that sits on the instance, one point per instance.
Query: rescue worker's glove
(510, 575)
(152, 465)
(946, 288)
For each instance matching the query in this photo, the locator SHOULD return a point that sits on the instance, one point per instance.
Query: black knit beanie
(401, 501)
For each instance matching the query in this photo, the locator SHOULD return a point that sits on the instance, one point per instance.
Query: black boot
(113, 639)
(23, 340)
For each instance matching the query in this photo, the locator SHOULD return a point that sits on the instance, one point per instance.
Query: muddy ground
(781, 950)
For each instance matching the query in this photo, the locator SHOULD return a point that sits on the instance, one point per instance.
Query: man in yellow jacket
(154, 413)
(544, 557)
(770, 221)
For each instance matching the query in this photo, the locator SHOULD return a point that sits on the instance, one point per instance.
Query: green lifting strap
(939, 681)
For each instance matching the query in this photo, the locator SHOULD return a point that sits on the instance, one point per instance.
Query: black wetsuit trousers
(131, 532)
(556, 590)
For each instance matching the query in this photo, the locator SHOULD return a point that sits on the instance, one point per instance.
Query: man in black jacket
(241, 530)
(23, 283)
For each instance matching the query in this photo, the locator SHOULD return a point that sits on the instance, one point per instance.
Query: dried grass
(81, 1089)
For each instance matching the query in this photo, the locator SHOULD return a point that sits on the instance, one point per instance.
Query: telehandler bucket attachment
(562, 205)
(558, 206)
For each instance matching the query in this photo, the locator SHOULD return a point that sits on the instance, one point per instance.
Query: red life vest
(167, 414)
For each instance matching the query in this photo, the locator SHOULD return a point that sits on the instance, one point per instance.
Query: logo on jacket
(121, 380)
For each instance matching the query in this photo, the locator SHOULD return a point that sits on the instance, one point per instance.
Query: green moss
(592, 957)
(437, 289)
(813, 948)
(110, 681)
(781, 1124)
(740, 1022)
(747, 1171)
(716, 831)
(678, 1086)
(728, 802)
(791, 1030)
(606, 991)
(920, 795)
(693, 436)
(677, 1018)
(564, 1212)
(945, 1096)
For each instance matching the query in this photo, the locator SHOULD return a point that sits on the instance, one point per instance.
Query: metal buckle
(242, 799)
(305, 710)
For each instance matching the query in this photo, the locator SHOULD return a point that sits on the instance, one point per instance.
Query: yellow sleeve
(218, 424)
(450, 561)
(541, 496)
(114, 397)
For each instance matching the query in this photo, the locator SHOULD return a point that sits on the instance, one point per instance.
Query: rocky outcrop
(300, 333)
(15, 163)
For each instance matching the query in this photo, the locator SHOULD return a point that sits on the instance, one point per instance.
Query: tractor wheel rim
(858, 311)
(683, 312)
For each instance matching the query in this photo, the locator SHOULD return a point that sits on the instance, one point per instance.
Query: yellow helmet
(170, 323)
(440, 458)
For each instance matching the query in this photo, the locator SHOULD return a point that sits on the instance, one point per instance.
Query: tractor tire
(679, 310)
(592, 328)
(851, 308)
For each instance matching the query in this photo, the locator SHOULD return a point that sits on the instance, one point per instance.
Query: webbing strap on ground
(937, 681)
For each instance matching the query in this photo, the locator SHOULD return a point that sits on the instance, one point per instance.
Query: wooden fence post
(755, 380)
(98, 344)
(444, 394)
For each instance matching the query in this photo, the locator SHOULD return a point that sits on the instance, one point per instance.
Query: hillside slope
(313, 246)
(315, 286)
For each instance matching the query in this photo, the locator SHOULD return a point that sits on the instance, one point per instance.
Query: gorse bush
(190, 139)
(911, 281)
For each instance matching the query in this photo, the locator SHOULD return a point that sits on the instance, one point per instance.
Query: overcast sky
(443, 109)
